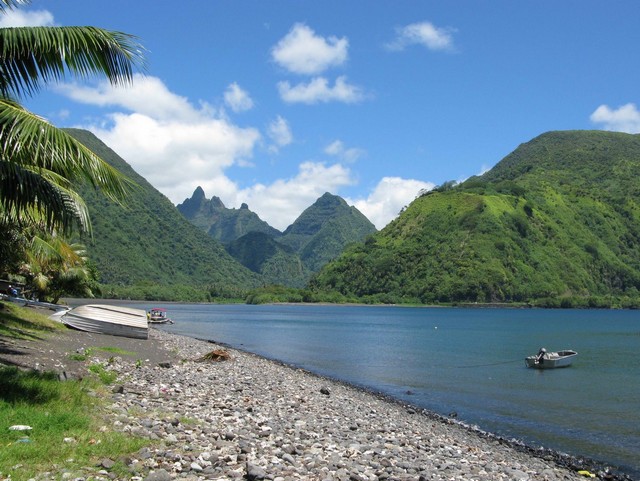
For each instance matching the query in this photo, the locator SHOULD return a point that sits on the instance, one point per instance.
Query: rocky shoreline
(236, 415)
(246, 417)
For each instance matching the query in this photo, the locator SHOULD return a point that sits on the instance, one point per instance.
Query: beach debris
(217, 355)
(20, 427)
(325, 391)
(586, 473)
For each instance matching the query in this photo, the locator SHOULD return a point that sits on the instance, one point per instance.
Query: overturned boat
(551, 360)
(106, 319)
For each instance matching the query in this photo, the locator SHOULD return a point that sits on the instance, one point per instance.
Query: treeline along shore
(211, 412)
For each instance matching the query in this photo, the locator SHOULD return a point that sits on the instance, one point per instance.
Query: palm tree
(39, 163)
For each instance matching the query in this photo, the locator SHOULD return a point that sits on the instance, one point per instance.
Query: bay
(468, 363)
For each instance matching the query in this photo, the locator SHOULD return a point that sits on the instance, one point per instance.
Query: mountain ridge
(557, 221)
(289, 258)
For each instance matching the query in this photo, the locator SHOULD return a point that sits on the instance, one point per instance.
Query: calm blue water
(468, 361)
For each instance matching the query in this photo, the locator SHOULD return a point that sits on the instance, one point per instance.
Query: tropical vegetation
(41, 165)
(148, 250)
(556, 223)
(54, 411)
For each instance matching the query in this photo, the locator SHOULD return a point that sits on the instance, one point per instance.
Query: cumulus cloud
(237, 99)
(318, 90)
(388, 198)
(338, 149)
(423, 33)
(146, 95)
(171, 143)
(301, 51)
(623, 119)
(25, 18)
(178, 146)
(280, 133)
(281, 202)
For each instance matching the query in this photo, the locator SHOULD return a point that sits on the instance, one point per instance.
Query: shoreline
(251, 417)
(564, 460)
(294, 424)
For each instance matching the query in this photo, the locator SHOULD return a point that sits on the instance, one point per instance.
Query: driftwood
(217, 355)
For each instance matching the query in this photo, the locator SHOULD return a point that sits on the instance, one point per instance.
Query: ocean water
(464, 361)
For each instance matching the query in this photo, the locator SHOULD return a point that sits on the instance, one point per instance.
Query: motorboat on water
(158, 315)
(107, 319)
(551, 359)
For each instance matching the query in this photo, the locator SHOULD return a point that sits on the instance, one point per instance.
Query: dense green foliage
(148, 248)
(555, 223)
(277, 263)
(319, 234)
(324, 229)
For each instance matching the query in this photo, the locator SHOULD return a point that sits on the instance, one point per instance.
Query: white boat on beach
(106, 319)
(551, 360)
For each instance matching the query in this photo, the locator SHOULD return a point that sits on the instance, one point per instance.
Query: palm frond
(27, 138)
(30, 197)
(11, 4)
(35, 56)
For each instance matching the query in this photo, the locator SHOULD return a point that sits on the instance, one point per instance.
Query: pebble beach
(214, 413)
(246, 417)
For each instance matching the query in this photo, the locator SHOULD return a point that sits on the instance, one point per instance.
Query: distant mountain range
(149, 246)
(289, 258)
(556, 223)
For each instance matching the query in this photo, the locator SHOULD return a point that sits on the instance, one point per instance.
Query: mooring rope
(490, 364)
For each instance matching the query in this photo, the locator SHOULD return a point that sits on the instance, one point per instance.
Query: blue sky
(273, 103)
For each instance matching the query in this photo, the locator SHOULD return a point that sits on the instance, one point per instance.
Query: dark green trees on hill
(557, 222)
(318, 235)
(148, 249)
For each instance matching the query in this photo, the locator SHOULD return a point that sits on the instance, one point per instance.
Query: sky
(274, 103)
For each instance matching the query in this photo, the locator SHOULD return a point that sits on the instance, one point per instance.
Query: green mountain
(319, 234)
(556, 222)
(324, 229)
(277, 263)
(221, 223)
(149, 243)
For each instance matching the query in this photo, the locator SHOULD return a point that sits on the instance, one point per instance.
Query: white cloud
(623, 119)
(388, 198)
(425, 34)
(25, 18)
(237, 98)
(319, 90)
(281, 202)
(338, 149)
(178, 147)
(280, 133)
(301, 51)
(171, 143)
(146, 95)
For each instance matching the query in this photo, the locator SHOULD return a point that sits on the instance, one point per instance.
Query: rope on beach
(490, 364)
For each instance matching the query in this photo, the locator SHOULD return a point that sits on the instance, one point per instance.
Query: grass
(64, 417)
(20, 323)
(83, 356)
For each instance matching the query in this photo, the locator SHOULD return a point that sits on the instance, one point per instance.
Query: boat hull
(111, 320)
(552, 360)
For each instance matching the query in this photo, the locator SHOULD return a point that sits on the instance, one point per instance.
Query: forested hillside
(147, 248)
(318, 235)
(557, 222)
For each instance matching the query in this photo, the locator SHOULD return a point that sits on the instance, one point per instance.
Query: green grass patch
(83, 356)
(106, 377)
(64, 432)
(22, 323)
